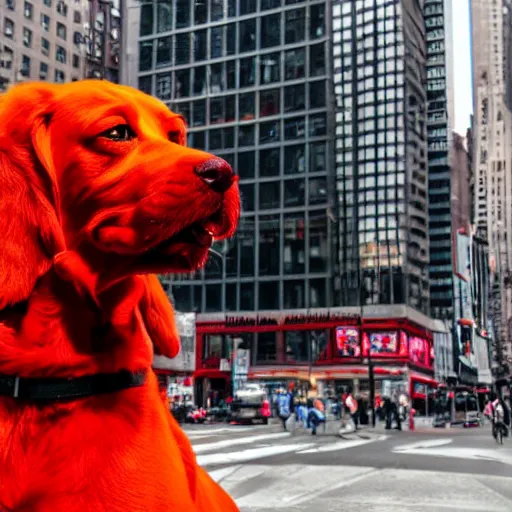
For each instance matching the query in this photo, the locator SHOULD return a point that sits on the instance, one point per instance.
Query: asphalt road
(266, 469)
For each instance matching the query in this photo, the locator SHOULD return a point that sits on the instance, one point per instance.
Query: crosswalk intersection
(265, 470)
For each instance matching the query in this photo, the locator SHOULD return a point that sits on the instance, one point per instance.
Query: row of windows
(301, 293)
(28, 8)
(266, 133)
(26, 65)
(159, 18)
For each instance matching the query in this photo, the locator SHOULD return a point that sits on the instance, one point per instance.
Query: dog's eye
(120, 133)
(174, 136)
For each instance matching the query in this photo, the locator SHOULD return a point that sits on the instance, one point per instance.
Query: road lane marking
(228, 443)
(342, 445)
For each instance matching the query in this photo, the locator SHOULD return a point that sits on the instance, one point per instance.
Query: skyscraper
(381, 152)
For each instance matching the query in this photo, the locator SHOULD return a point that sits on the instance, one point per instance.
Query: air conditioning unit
(8, 30)
(43, 75)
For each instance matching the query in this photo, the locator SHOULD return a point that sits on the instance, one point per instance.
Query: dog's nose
(217, 173)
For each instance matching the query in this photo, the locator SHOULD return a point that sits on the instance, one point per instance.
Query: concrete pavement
(445, 470)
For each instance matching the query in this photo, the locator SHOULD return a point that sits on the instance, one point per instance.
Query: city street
(429, 470)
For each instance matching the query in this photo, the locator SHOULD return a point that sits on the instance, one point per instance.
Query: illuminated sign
(381, 343)
(347, 342)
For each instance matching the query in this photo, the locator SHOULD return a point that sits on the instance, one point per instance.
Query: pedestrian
(316, 415)
(285, 408)
(352, 406)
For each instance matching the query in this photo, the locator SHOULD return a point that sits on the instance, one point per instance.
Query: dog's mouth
(196, 234)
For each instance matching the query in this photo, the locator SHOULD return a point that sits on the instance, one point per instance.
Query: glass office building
(252, 79)
(381, 152)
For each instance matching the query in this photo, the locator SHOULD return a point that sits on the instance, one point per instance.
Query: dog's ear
(29, 219)
(158, 315)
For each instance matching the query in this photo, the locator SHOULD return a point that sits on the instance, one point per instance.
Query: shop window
(270, 195)
(317, 60)
(247, 71)
(246, 106)
(271, 30)
(213, 350)
(269, 132)
(269, 102)
(145, 84)
(269, 163)
(247, 302)
(294, 159)
(268, 300)
(294, 256)
(294, 193)
(200, 44)
(295, 25)
(200, 81)
(164, 16)
(182, 42)
(296, 342)
(270, 68)
(294, 98)
(318, 241)
(200, 12)
(294, 64)
(216, 42)
(246, 135)
(317, 94)
(146, 20)
(182, 13)
(213, 298)
(163, 51)
(294, 128)
(317, 125)
(317, 21)
(247, 34)
(164, 86)
(269, 245)
(246, 165)
(231, 74)
(318, 190)
(231, 297)
(231, 39)
(266, 342)
(317, 293)
(199, 113)
(181, 297)
(317, 153)
(247, 195)
(247, 253)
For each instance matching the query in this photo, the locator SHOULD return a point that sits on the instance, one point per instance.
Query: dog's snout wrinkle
(216, 173)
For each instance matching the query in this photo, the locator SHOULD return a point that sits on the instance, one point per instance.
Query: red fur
(81, 219)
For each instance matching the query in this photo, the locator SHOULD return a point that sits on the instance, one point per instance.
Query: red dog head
(97, 176)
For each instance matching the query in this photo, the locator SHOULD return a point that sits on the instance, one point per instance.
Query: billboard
(185, 360)
(381, 343)
(420, 351)
(347, 342)
(240, 368)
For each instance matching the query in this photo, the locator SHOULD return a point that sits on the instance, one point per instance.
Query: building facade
(438, 19)
(493, 158)
(381, 153)
(42, 40)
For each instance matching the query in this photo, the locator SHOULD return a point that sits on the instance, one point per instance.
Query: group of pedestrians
(292, 409)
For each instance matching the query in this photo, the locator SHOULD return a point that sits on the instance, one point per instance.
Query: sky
(462, 65)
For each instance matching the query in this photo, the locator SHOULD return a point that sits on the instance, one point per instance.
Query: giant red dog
(98, 193)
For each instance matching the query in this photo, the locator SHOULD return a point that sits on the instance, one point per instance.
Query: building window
(317, 21)
(269, 163)
(200, 12)
(10, 4)
(62, 8)
(247, 29)
(266, 344)
(199, 88)
(318, 241)
(28, 10)
(60, 54)
(61, 31)
(247, 301)
(268, 299)
(163, 51)
(296, 341)
(270, 195)
(247, 7)
(182, 84)
(216, 42)
(294, 256)
(146, 19)
(231, 39)
(294, 295)
(8, 28)
(145, 55)
(48, 3)
(247, 194)
(199, 113)
(27, 37)
(182, 42)
(247, 253)
(60, 78)
(270, 68)
(246, 165)
(317, 60)
(213, 298)
(6, 58)
(271, 30)
(294, 159)
(295, 26)
(294, 64)
(164, 86)
(246, 106)
(45, 46)
(317, 154)
(217, 10)
(43, 71)
(77, 17)
(76, 61)
(182, 13)
(294, 193)
(247, 71)
(269, 102)
(295, 98)
(317, 97)
(317, 190)
(317, 293)
(45, 22)
(246, 135)
(163, 17)
(25, 66)
(200, 44)
(270, 132)
(145, 84)
(77, 38)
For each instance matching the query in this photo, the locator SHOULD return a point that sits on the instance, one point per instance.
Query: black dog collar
(61, 389)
